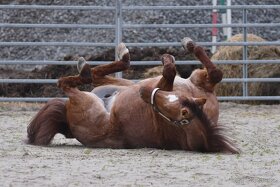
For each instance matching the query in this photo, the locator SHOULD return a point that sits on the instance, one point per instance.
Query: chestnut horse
(165, 112)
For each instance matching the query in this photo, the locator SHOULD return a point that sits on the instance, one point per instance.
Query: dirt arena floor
(256, 130)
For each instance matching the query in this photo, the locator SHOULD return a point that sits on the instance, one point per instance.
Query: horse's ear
(199, 101)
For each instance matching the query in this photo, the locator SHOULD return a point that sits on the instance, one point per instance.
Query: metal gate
(120, 25)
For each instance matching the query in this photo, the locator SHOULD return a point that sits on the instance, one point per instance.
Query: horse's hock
(254, 70)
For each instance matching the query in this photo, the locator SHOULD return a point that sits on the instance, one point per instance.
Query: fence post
(214, 29)
(228, 12)
(118, 31)
(245, 54)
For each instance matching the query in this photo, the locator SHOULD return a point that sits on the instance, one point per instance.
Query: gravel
(65, 162)
(107, 17)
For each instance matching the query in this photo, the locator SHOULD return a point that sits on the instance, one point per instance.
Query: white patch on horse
(172, 98)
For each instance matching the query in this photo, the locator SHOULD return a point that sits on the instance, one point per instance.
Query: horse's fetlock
(86, 72)
(215, 75)
(126, 60)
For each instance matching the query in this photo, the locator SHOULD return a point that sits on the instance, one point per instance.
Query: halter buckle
(183, 122)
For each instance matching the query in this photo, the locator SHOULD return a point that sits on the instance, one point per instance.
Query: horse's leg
(214, 75)
(98, 75)
(168, 74)
(89, 121)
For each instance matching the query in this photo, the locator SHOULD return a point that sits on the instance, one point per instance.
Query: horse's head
(171, 106)
(186, 112)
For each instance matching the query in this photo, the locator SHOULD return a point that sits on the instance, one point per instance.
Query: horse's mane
(216, 139)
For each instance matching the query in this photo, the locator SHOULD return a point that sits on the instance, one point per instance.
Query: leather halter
(156, 109)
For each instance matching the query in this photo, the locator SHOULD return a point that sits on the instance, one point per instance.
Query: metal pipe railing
(54, 81)
(135, 63)
(162, 44)
(57, 26)
(119, 26)
(205, 7)
(131, 26)
(56, 7)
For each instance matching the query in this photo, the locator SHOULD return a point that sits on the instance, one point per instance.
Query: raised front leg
(214, 74)
(168, 74)
(98, 75)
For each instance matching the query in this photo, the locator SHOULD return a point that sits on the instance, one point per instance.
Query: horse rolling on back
(165, 112)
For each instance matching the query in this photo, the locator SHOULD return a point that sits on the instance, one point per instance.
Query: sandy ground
(256, 130)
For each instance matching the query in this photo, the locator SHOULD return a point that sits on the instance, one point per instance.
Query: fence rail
(119, 26)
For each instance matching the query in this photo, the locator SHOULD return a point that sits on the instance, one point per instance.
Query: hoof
(81, 63)
(121, 51)
(59, 83)
(188, 44)
(167, 59)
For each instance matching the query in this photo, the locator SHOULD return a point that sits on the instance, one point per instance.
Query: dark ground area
(57, 71)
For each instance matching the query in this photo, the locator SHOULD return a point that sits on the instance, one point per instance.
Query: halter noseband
(156, 109)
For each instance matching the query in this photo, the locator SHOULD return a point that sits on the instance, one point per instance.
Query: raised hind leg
(214, 74)
(168, 74)
(98, 75)
(89, 120)
(206, 78)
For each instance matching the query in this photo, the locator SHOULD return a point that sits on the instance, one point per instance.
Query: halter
(156, 109)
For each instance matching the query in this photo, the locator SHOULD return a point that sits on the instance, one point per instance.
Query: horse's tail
(50, 120)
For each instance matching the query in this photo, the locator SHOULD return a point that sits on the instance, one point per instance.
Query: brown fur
(50, 120)
(131, 121)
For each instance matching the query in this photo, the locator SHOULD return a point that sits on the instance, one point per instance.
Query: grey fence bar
(163, 44)
(57, 7)
(52, 81)
(205, 7)
(125, 26)
(119, 26)
(134, 63)
(81, 26)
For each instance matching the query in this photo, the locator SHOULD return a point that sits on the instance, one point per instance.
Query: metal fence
(118, 28)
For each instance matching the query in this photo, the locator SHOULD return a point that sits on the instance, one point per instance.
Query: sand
(255, 129)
